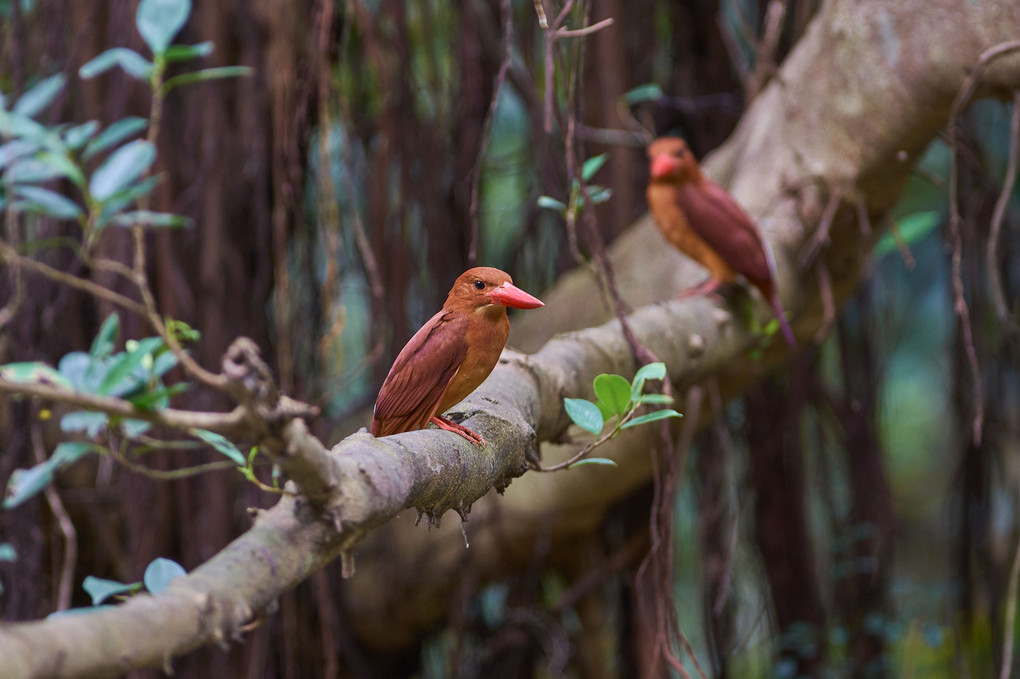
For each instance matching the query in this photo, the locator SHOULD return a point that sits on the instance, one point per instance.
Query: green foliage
(221, 445)
(596, 193)
(619, 399)
(158, 575)
(26, 483)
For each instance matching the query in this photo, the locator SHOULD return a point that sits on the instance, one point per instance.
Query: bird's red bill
(510, 295)
(663, 165)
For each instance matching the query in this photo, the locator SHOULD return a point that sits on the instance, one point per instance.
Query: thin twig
(955, 224)
(10, 255)
(821, 234)
(994, 276)
(490, 116)
(65, 586)
(172, 474)
(901, 243)
(587, 30)
(221, 423)
(828, 302)
(1010, 631)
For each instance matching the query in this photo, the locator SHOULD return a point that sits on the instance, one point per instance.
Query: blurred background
(331, 194)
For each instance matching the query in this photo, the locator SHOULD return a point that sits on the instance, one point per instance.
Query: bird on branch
(705, 223)
(450, 356)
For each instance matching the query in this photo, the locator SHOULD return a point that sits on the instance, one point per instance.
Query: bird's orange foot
(706, 287)
(448, 425)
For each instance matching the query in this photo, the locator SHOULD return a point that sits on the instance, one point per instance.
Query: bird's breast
(672, 222)
(486, 338)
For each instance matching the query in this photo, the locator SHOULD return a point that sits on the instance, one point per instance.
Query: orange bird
(705, 223)
(451, 355)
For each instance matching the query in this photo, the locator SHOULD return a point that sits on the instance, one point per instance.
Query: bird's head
(485, 286)
(671, 161)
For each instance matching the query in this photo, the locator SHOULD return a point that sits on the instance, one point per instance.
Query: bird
(450, 356)
(703, 221)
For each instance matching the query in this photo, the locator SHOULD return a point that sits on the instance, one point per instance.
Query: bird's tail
(777, 306)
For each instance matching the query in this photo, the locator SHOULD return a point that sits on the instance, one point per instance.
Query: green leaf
(101, 589)
(26, 483)
(614, 391)
(593, 165)
(655, 400)
(188, 52)
(7, 552)
(159, 21)
(207, 74)
(551, 203)
(84, 610)
(652, 417)
(114, 134)
(15, 125)
(34, 372)
(85, 422)
(16, 148)
(221, 444)
(646, 92)
(585, 414)
(33, 170)
(160, 572)
(77, 136)
(599, 194)
(159, 220)
(594, 460)
(40, 96)
(113, 206)
(134, 428)
(106, 338)
(133, 63)
(912, 228)
(48, 202)
(75, 368)
(652, 371)
(158, 397)
(124, 165)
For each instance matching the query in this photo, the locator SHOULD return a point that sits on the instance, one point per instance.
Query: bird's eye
(480, 285)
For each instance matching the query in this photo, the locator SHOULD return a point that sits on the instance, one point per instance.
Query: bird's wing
(420, 375)
(715, 216)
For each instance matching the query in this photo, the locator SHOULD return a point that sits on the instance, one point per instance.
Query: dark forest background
(331, 193)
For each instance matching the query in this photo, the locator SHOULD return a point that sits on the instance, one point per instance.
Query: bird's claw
(449, 425)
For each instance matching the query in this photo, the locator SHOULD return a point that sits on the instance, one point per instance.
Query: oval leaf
(652, 417)
(159, 574)
(188, 52)
(123, 166)
(48, 202)
(34, 371)
(551, 203)
(133, 63)
(159, 220)
(76, 136)
(655, 400)
(115, 134)
(40, 96)
(585, 414)
(614, 391)
(106, 338)
(652, 371)
(207, 74)
(647, 92)
(593, 460)
(101, 589)
(593, 165)
(159, 21)
(221, 444)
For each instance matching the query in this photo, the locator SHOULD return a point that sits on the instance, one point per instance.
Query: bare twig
(490, 115)
(65, 585)
(901, 244)
(1007, 634)
(994, 277)
(955, 224)
(227, 424)
(11, 256)
(821, 235)
(828, 302)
